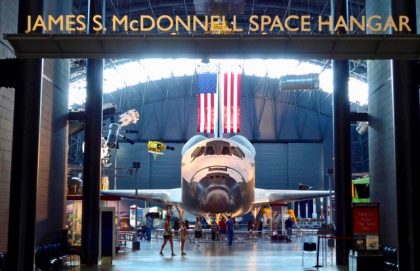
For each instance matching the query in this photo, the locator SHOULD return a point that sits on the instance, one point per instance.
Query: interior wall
(381, 137)
(8, 24)
(168, 112)
(277, 166)
(418, 14)
(53, 151)
(53, 141)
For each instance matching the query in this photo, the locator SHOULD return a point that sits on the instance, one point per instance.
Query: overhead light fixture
(299, 82)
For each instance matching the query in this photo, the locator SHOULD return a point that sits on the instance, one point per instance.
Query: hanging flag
(207, 102)
(230, 85)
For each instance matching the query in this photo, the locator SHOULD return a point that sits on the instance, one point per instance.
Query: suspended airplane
(218, 177)
(76, 125)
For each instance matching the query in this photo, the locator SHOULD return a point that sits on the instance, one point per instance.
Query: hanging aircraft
(76, 125)
(218, 177)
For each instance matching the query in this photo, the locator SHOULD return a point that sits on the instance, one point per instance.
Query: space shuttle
(218, 177)
(218, 174)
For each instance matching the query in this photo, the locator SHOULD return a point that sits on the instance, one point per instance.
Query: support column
(407, 135)
(314, 210)
(342, 158)
(407, 148)
(92, 155)
(342, 147)
(25, 153)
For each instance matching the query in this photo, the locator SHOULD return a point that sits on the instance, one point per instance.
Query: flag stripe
(201, 119)
(211, 113)
(208, 111)
(222, 102)
(238, 112)
(235, 103)
(215, 111)
(229, 92)
(232, 91)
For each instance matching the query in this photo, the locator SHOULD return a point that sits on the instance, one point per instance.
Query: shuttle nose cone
(217, 201)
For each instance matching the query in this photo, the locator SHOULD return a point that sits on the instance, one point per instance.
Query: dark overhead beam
(78, 115)
(356, 116)
(257, 141)
(338, 47)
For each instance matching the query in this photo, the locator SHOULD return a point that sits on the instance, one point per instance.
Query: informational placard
(365, 218)
(366, 226)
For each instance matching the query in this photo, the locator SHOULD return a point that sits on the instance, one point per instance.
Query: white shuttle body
(218, 176)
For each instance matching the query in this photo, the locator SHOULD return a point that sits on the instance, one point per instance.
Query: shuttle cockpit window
(209, 150)
(218, 148)
(237, 152)
(241, 152)
(225, 150)
(194, 153)
(198, 152)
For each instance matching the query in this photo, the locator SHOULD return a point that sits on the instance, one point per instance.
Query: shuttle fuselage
(218, 176)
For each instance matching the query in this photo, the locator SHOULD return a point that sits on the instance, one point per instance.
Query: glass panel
(209, 150)
(193, 155)
(225, 150)
(200, 152)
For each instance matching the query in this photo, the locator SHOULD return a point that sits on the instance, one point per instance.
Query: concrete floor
(261, 255)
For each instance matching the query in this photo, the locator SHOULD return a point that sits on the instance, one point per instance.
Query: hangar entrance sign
(340, 47)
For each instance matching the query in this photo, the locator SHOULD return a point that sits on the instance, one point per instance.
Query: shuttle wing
(269, 196)
(165, 196)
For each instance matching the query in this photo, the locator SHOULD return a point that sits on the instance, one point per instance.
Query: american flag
(229, 86)
(207, 102)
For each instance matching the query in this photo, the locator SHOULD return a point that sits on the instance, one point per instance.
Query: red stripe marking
(225, 103)
(211, 113)
(239, 102)
(198, 113)
(232, 92)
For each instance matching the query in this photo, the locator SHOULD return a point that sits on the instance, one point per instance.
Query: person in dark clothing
(250, 225)
(214, 230)
(149, 226)
(251, 229)
(289, 228)
(222, 226)
(176, 226)
(229, 225)
(260, 227)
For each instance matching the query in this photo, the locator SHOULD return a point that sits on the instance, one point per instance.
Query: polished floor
(247, 255)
